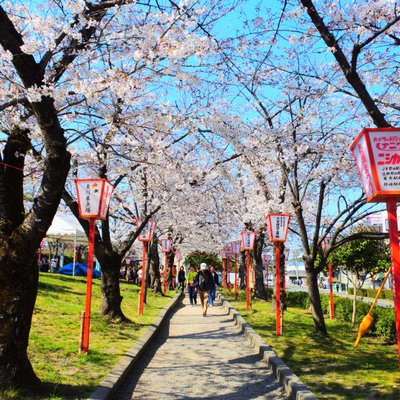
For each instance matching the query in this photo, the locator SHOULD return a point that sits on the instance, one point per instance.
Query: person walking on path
(214, 287)
(181, 279)
(191, 286)
(204, 281)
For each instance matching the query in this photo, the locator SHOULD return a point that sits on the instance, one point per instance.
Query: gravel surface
(196, 357)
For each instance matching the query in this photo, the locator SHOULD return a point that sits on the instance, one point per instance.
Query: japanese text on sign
(386, 151)
(278, 226)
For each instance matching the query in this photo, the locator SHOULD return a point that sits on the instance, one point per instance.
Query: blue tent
(80, 270)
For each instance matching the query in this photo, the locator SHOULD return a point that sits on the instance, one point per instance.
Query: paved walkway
(198, 357)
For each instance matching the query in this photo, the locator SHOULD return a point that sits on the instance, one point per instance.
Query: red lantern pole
(332, 303)
(248, 299)
(165, 272)
(267, 273)
(86, 319)
(235, 288)
(224, 273)
(278, 289)
(143, 283)
(40, 253)
(394, 248)
(228, 261)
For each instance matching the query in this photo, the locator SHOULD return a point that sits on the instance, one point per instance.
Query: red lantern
(147, 233)
(278, 225)
(228, 250)
(165, 248)
(93, 197)
(236, 247)
(377, 154)
(165, 245)
(248, 239)
(93, 200)
(145, 237)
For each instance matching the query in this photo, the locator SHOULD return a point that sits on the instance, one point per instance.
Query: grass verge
(329, 366)
(54, 340)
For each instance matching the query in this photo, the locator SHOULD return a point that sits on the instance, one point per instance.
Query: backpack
(204, 281)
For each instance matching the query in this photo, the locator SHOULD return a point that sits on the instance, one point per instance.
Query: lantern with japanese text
(330, 274)
(223, 256)
(267, 258)
(94, 197)
(377, 155)
(165, 245)
(165, 248)
(278, 225)
(147, 232)
(236, 247)
(248, 240)
(235, 250)
(229, 254)
(145, 237)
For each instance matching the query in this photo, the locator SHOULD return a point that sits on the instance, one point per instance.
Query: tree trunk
(170, 258)
(355, 289)
(242, 269)
(316, 308)
(283, 276)
(19, 282)
(259, 290)
(154, 268)
(110, 289)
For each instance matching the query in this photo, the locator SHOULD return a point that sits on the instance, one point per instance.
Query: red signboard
(377, 154)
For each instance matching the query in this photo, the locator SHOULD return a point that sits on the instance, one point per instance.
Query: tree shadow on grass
(47, 390)
(345, 361)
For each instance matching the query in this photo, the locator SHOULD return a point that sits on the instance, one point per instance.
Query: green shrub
(343, 309)
(298, 299)
(385, 294)
(384, 325)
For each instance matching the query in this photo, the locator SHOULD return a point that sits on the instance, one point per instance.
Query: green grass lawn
(54, 340)
(330, 366)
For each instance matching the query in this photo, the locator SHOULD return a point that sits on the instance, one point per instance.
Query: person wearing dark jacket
(204, 281)
(214, 287)
(181, 279)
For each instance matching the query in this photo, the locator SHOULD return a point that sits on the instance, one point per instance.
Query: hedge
(384, 325)
(385, 294)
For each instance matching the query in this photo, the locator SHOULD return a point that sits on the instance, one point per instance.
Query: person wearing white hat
(204, 281)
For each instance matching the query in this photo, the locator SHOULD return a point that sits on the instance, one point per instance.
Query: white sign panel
(105, 200)
(278, 226)
(89, 196)
(363, 162)
(248, 239)
(236, 247)
(228, 251)
(165, 245)
(146, 234)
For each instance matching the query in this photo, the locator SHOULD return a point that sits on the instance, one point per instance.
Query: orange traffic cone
(365, 326)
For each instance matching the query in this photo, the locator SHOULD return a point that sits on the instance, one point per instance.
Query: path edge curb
(111, 382)
(294, 387)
